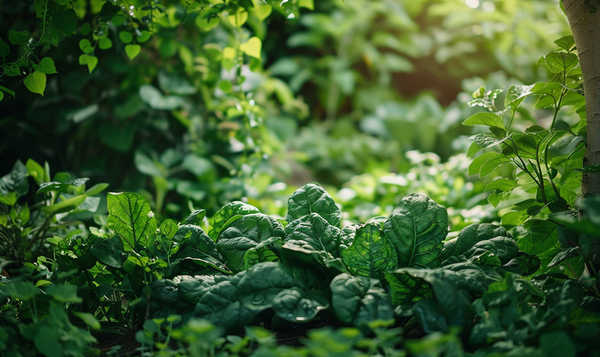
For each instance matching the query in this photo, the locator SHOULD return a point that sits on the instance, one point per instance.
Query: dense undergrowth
(426, 238)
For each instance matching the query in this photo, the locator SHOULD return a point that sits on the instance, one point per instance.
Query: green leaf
(492, 164)
(487, 119)
(316, 231)
(561, 62)
(238, 18)
(359, 300)
(22, 290)
(36, 82)
(65, 205)
(86, 46)
(125, 36)
(47, 66)
(105, 43)
(567, 43)
(207, 23)
(147, 166)
(196, 217)
(262, 11)
(478, 162)
(65, 21)
(309, 4)
(195, 246)
(297, 305)
(4, 48)
(108, 251)
(64, 293)
(416, 228)
(63, 187)
(557, 344)
(371, 254)
(90, 61)
(312, 198)
(243, 234)
(18, 38)
(88, 318)
(470, 236)
(15, 181)
(501, 185)
(130, 216)
(252, 48)
(132, 51)
(227, 214)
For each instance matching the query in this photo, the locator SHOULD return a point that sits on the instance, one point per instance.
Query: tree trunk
(586, 31)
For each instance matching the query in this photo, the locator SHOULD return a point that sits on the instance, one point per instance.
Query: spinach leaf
(197, 247)
(416, 228)
(471, 235)
(195, 217)
(316, 231)
(312, 198)
(358, 300)
(227, 214)
(109, 251)
(130, 216)
(243, 234)
(370, 254)
(297, 305)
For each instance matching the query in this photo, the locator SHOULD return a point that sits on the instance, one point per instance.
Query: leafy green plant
(24, 228)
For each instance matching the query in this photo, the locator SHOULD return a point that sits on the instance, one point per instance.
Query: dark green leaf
(243, 234)
(196, 217)
(561, 62)
(18, 38)
(370, 254)
(360, 300)
(316, 231)
(15, 181)
(297, 305)
(65, 21)
(471, 235)
(416, 228)
(63, 293)
(312, 198)
(108, 251)
(227, 214)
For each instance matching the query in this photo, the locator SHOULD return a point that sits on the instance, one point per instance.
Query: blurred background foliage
(364, 96)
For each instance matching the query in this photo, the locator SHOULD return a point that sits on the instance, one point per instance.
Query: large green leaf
(370, 254)
(471, 235)
(220, 304)
(411, 285)
(297, 305)
(130, 216)
(416, 228)
(243, 234)
(312, 198)
(227, 214)
(108, 251)
(192, 288)
(235, 301)
(197, 247)
(360, 300)
(317, 232)
(15, 181)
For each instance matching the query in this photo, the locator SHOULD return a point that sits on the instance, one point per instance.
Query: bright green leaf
(47, 66)
(252, 48)
(132, 51)
(36, 82)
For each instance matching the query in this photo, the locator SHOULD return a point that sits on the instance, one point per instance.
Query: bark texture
(586, 31)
